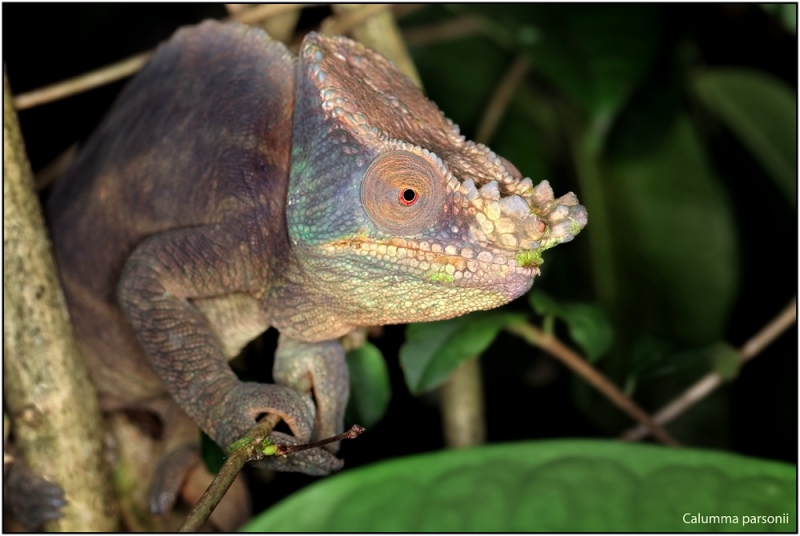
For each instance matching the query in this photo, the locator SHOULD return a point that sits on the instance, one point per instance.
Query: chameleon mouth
(444, 263)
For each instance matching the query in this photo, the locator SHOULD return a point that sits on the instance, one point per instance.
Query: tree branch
(46, 385)
(557, 349)
(703, 387)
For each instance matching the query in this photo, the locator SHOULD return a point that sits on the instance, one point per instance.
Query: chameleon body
(234, 187)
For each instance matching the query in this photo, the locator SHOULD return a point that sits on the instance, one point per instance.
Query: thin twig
(127, 67)
(354, 431)
(703, 387)
(83, 82)
(557, 349)
(444, 31)
(247, 449)
(501, 98)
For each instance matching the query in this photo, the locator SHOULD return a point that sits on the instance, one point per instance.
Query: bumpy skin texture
(234, 187)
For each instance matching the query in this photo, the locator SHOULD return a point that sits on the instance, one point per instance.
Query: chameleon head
(385, 195)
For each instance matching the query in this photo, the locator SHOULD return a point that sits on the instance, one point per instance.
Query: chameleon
(235, 187)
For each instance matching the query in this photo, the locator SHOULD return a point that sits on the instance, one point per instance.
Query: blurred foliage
(547, 486)
(370, 389)
(588, 324)
(623, 114)
(762, 111)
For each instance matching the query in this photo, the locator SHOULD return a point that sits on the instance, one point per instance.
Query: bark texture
(48, 394)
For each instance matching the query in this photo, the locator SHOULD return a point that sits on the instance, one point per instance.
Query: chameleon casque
(234, 187)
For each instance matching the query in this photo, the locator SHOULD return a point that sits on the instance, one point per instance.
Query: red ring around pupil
(408, 197)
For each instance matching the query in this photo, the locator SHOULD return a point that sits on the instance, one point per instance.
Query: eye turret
(402, 193)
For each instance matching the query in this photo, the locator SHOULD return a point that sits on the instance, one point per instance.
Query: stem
(462, 406)
(703, 387)
(557, 349)
(247, 449)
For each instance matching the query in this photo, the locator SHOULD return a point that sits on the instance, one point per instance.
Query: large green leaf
(762, 111)
(550, 486)
(434, 349)
(675, 240)
(370, 388)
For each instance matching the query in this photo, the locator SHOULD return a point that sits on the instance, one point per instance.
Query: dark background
(528, 395)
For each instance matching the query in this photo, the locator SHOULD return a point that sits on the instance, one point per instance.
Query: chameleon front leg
(160, 278)
(320, 367)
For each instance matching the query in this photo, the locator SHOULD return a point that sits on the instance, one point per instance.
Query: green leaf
(370, 389)
(547, 486)
(725, 360)
(762, 111)
(434, 349)
(588, 324)
(675, 240)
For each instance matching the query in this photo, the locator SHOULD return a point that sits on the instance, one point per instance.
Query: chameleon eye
(401, 193)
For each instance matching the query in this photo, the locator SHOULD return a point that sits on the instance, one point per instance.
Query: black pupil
(409, 195)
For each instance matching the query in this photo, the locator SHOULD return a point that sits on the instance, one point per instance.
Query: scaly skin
(234, 187)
